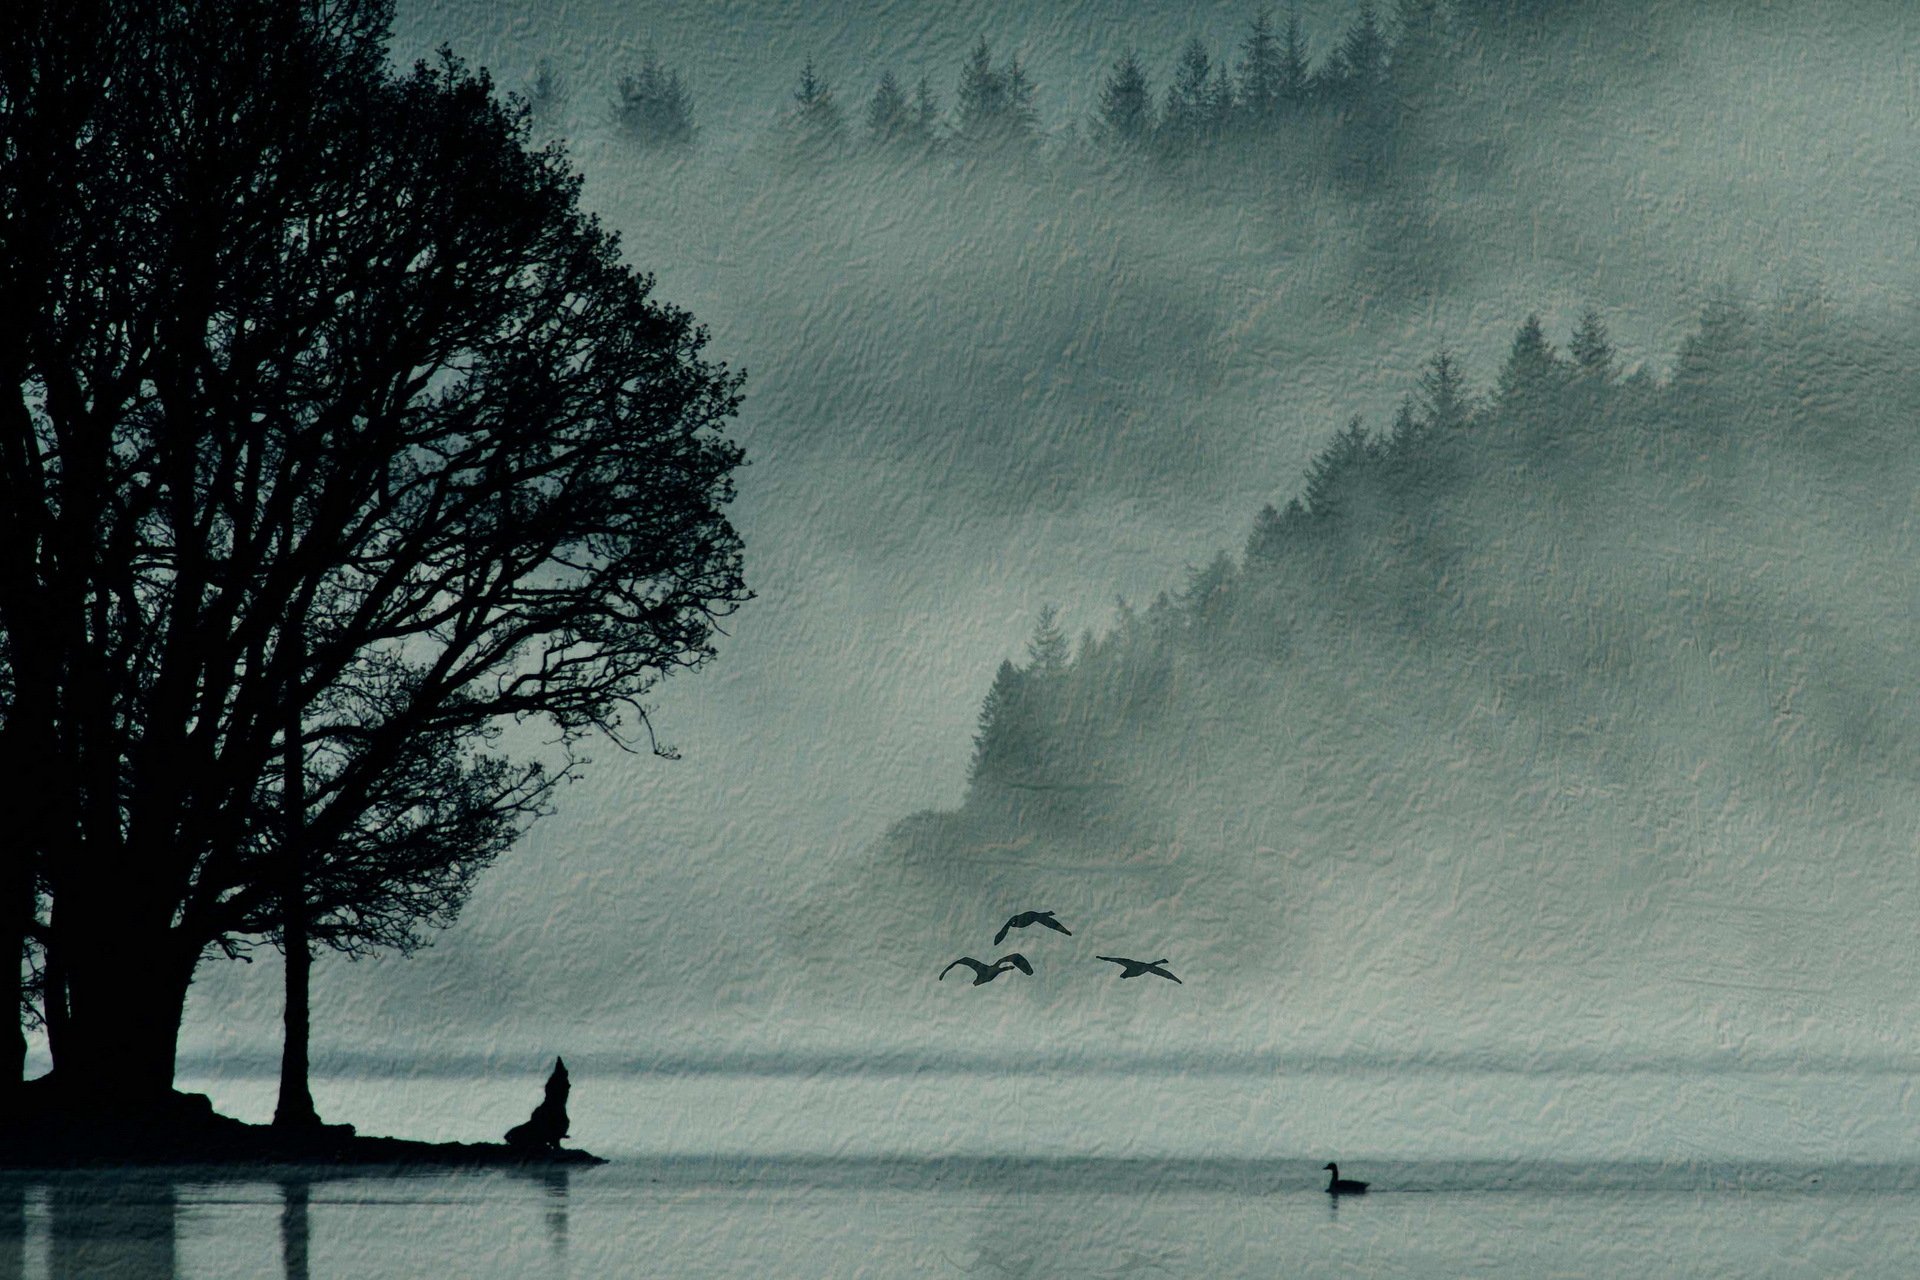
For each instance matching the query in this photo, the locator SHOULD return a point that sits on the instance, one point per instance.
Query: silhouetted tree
(1192, 113)
(1295, 75)
(1332, 474)
(1361, 61)
(1271, 529)
(1125, 120)
(1361, 88)
(1444, 394)
(655, 106)
(547, 91)
(1263, 71)
(1591, 351)
(926, 115)
(1722, 341)
(1532, 371)
(995, 107)
(1408, 429)
(1047, 651)
(889, 114)
(815, 122)
(1001, 726)
(338, 437)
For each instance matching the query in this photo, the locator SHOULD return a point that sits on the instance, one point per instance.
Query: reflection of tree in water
(111, 1225)
(13, 1227)
(295, 1189)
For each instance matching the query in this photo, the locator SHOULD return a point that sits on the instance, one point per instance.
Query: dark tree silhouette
(654, 106)
(1262, 71)
(1194, 110)
(1125, 119)
(1590, 348)
(1047, 651)
(1443, 393)
(334, 437)
(995, 114)
(547, 90)
(926, 115)
(1332, 475)
(1531, 372)
(815, 121)
(1296, 71)
(889, 115)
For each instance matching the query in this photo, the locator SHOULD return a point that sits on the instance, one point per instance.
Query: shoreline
(48, 1132)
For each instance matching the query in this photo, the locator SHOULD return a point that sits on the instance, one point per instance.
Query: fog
(975, 389)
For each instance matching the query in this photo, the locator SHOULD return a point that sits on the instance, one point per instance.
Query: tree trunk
(13, 1029)
(16, 914)
(295, 1108)
(125, 996)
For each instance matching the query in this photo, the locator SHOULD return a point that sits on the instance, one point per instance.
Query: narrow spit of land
(48, 1131)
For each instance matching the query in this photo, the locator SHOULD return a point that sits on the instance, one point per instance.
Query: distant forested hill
(1571, 674)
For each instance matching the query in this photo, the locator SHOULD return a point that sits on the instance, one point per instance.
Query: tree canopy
(334, 438)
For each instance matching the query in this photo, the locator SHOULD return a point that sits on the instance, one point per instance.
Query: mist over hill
(1580, 717)
(1600, 700)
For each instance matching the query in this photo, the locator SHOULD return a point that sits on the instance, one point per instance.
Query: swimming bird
(984, 973)
(1026, 918)
(1339, 1186)
(1137, 967)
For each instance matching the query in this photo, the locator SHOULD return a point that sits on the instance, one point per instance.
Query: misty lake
(1655, 1173)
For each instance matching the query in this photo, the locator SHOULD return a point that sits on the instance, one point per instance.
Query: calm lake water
(900, 1176)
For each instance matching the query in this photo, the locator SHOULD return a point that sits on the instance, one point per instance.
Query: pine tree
(815, 121)
(1262, 71)
(926, 115)
(1047, 650)
(1443, 393)
(995, 113)
(1591, 351)
(1220, 99)
(1330, 475)
(1407, 430)
(1296, 68)
(889, 116)
(1363, 53)
(1268, 537)
(1721, 348)
(1189, 115)
(998, 722)
(1532, 370)
(655, 107)
(1125, 119)
(547, 91)
(981, 101)
(1023, 117)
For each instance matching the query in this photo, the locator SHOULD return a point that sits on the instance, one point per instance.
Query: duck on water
(1339, 1186)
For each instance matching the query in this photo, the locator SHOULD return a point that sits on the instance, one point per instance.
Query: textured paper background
(1644, 797)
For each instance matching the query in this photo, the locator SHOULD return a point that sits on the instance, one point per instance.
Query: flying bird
(985, 973)
(1134, 968)
(1339, 1186)
(1026, 918)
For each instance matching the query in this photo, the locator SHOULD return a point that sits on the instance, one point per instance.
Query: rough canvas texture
(1583, 748)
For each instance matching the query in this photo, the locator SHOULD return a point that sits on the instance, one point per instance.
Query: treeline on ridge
(1396, 528)
(1344, 111)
